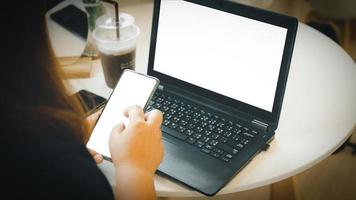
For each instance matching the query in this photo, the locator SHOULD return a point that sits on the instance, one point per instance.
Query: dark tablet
(73, 19)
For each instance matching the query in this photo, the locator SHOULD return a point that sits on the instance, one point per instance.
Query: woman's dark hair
(34, 96)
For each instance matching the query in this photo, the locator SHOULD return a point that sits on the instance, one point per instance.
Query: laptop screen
(228, 54)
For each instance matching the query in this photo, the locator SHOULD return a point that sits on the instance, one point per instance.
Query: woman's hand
(136, 151)
(139, 145)
(98, 158)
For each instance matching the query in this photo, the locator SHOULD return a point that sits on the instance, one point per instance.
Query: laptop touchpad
(197, 170)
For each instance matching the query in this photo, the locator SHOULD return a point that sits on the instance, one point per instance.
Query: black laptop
(223, 69)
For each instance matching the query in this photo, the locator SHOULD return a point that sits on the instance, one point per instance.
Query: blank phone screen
(132, 89)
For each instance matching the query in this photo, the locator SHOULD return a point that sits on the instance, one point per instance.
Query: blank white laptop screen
(225, 53)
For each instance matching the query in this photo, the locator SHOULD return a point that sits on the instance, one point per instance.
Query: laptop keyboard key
(208, 147)
(207, 133)
(199, 144)
(214, 154)
(188, 132)
(197, 135)
(235, 151)
(173, 125)
(213, 142)
(249, 135)
(240, 146)
(191, 140)
(223, 139)
(166, 122)
(205, 150)
(229, 156)
(181, 129)
(219, 151)
(205, 139)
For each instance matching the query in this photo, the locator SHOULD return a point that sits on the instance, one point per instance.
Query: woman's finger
(119, 128)
(134, 113)
(154, 117)
(97, 157)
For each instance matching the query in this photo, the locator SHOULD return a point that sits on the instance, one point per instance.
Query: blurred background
(335, 18)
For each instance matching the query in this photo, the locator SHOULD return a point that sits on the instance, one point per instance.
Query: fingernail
(97, 157)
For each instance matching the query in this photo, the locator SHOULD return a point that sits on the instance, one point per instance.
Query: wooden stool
(74, 67)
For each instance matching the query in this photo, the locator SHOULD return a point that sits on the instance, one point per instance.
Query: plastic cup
(117, 54)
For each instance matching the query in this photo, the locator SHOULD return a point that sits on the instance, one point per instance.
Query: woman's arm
(134, 183)
(136, 151)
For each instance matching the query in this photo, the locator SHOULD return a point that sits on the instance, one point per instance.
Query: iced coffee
(117, 52)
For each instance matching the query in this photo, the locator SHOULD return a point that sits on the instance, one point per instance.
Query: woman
(44, 132)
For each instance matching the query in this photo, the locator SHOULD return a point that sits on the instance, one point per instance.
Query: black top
(49, 165)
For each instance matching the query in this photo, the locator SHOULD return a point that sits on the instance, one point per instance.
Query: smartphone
(73, 19)
(90, 102)
(132, 89)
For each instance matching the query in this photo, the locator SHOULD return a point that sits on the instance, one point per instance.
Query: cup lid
(108, 21)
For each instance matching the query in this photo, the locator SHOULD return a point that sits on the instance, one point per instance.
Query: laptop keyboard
(202, 128)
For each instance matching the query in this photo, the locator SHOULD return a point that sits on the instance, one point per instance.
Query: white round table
(318, 114)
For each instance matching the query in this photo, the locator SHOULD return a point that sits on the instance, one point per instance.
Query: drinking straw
(116, 5)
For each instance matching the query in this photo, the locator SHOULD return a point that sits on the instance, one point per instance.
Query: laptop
(223, 69)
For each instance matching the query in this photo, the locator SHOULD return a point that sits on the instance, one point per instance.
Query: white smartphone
(132, 89)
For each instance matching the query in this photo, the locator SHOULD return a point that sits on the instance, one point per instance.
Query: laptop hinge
(260, 124)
